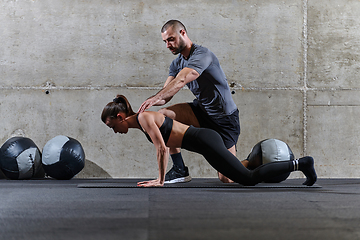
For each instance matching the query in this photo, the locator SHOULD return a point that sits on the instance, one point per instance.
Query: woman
(164, 132)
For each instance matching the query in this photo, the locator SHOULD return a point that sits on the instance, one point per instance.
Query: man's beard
(181, 47)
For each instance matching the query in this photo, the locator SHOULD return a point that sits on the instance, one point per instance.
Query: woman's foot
(306, 165)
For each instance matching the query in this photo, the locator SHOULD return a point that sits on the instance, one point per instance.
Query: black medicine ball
(20, 158)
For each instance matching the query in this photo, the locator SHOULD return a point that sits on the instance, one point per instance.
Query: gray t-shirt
(211, 88)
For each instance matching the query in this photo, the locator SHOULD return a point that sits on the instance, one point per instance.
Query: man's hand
(152, 101)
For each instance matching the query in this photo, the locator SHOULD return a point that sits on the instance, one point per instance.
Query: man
(199, 69)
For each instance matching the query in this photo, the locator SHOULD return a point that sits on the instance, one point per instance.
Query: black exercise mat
(195, 183)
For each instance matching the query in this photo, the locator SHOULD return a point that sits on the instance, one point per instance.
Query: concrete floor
(203, 209)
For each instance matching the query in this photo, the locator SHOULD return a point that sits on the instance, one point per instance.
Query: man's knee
(167, 112)
(181, 112)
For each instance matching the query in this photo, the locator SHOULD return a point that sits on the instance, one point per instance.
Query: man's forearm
(165, 94)
(172, 86)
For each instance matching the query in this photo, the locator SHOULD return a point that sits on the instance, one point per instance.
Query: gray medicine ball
(63, 157)
(270, 150)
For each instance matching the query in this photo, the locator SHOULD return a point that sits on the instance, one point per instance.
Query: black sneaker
(177, 175)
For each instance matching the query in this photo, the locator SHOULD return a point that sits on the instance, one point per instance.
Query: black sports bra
(165, 129)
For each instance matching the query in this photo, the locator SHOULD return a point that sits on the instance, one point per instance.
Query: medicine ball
(270, 150)
(63, 157)
(20, 158)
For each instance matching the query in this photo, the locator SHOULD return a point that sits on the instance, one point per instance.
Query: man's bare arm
(171, 87)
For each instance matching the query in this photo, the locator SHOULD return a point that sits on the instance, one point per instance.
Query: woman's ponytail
(121, 99)
(119, 104)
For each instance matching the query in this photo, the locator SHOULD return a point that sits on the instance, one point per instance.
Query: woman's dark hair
(119, 104)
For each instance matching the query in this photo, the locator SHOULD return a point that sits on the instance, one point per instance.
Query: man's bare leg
(183, 113)
(223, 178)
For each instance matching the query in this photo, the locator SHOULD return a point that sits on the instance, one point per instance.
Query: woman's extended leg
(209, 143)
(304, 164)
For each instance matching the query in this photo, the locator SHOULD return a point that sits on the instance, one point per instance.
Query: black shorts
(228, 127)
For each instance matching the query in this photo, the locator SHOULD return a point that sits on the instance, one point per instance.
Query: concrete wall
(292, 66)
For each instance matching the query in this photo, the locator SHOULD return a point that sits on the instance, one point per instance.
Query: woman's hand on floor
(150, 183)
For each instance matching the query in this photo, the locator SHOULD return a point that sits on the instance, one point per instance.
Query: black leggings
(208, 143)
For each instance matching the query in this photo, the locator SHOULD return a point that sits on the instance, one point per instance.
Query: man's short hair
(176, 24)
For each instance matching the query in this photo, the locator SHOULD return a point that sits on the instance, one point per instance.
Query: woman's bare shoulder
(149, 116)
